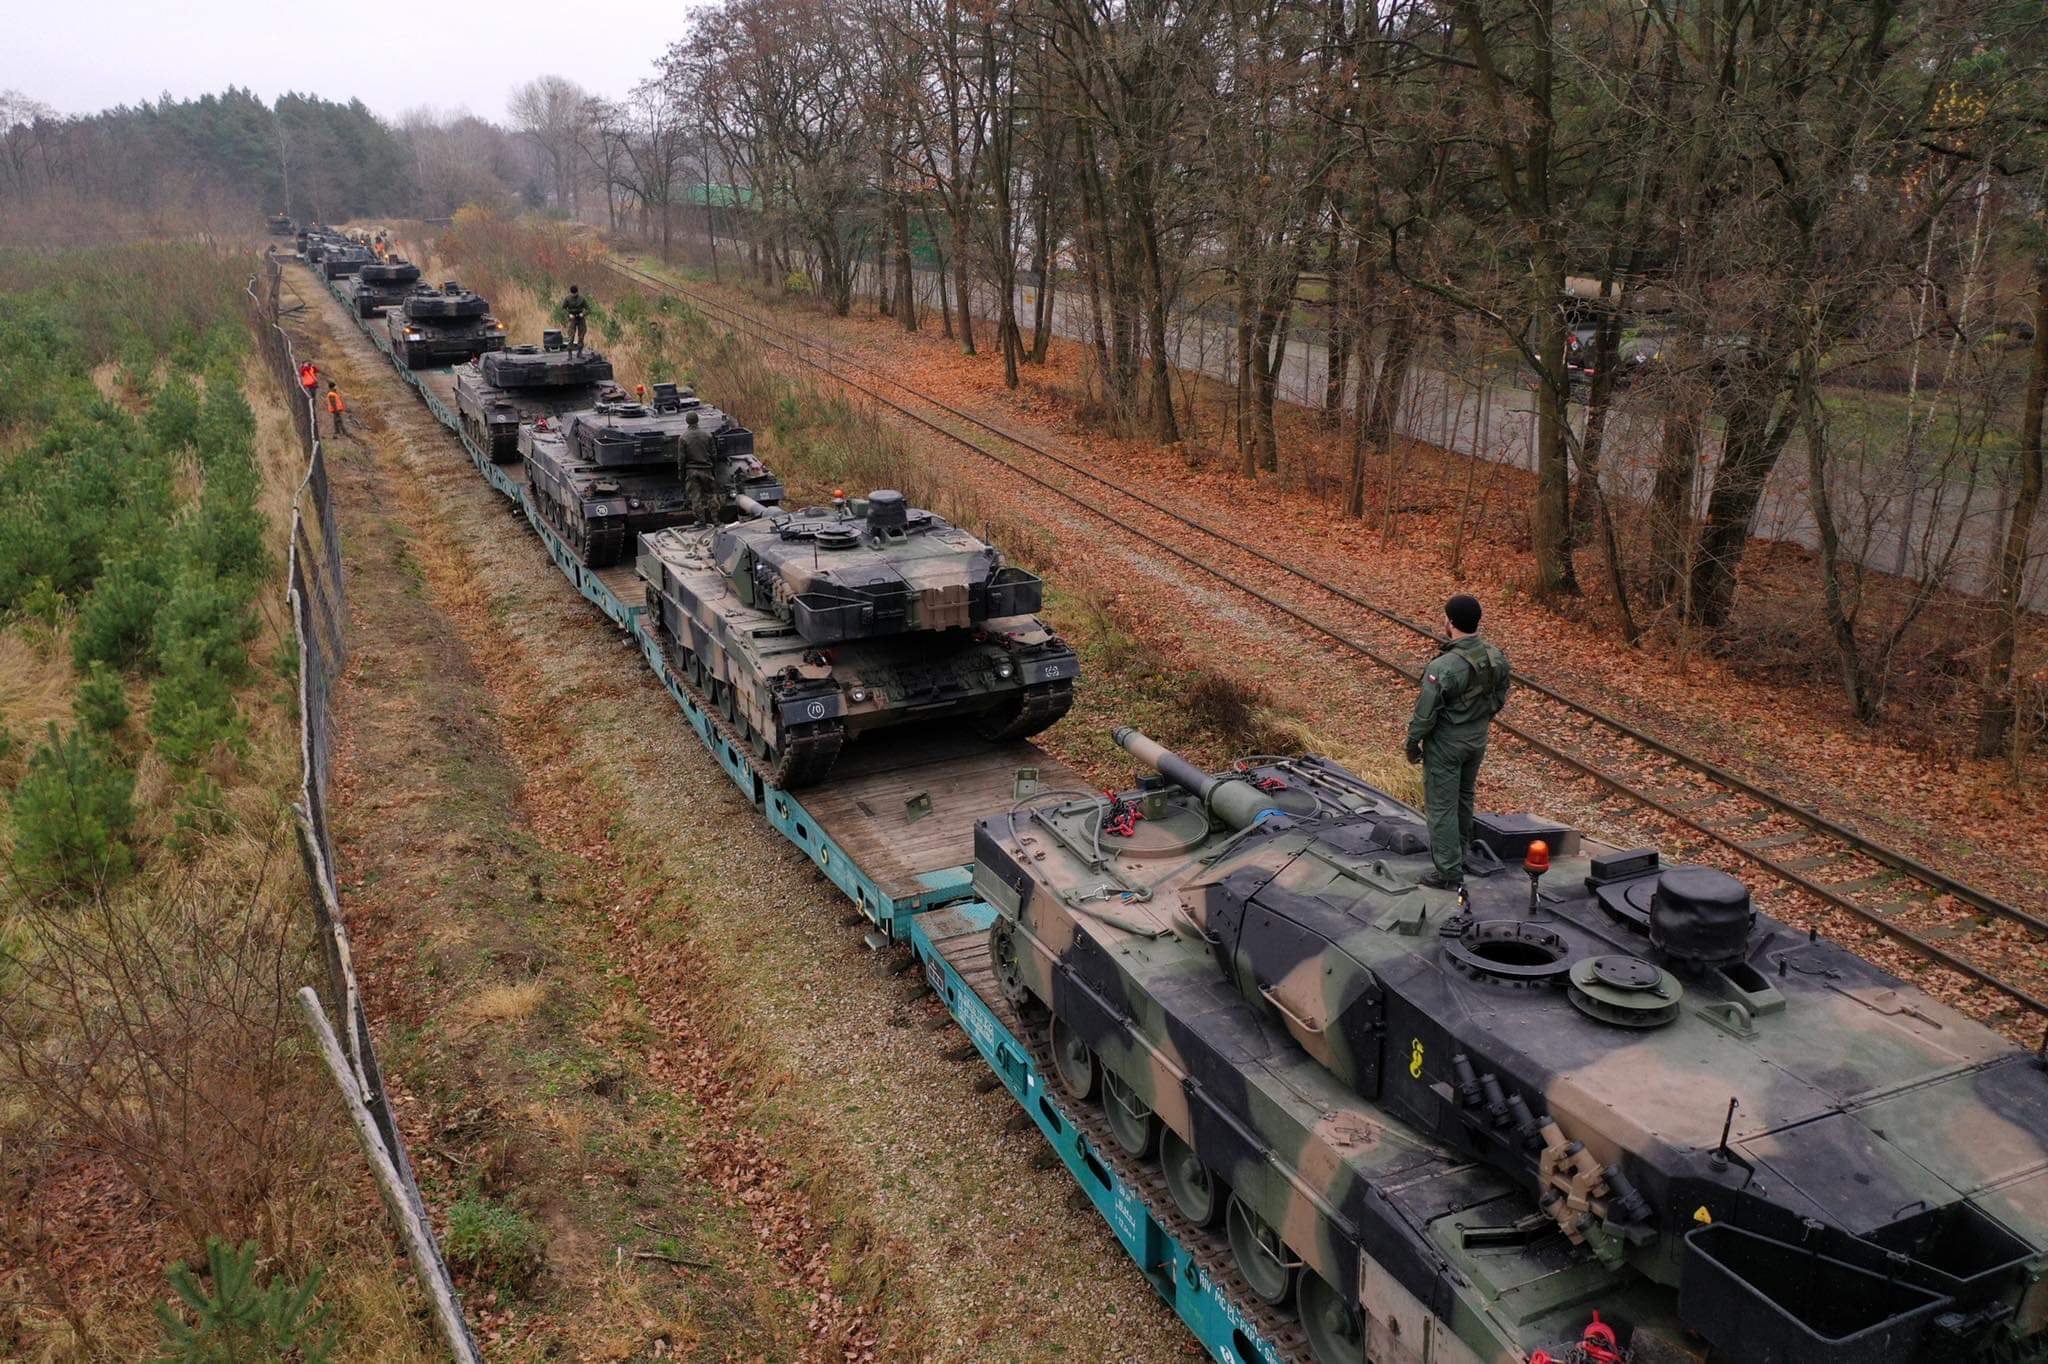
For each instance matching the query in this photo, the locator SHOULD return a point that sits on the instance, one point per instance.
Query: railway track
(1950, 923)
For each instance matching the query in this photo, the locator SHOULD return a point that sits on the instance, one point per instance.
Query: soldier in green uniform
(575, 305)
(700, 485)
(1463, 688)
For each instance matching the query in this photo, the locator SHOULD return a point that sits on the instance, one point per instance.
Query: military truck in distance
(279, 224)
(1453, 1127)
(804, 629)
(380, 284)
(442, 326)
(500, 391)
(602, 476)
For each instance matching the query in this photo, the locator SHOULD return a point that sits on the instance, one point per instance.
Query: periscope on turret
(1598, 1101)
(805, 629)
(604, 475)
(442, 326)
(498, 393)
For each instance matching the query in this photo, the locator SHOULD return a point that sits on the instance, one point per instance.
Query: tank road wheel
(1130, 1121)
(1330, 1323)
(1260, 1255)
(1194, 1189)
(1072, 1061)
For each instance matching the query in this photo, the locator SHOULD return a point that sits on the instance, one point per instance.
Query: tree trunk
(1749, 452)
(1671, 494)
(1999, 704)
(1550, 514)
(962, 291)
(1041, 269)
(906, 276)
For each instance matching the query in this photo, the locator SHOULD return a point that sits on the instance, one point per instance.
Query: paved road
(1898, 521)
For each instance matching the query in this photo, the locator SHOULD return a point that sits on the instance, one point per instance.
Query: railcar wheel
(1261, 1256)
(1194, 1189)
(1130, 1121)
(1072, 1061)
(1331, 1325)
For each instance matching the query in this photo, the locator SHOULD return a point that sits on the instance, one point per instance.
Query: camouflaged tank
(1601, 1104)
(603, 476)
(442, 326)
(803, 629)
(279, 224)
(380, 284)
(498, 393)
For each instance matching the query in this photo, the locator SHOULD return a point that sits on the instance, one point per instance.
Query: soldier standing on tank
(1463, 688)
(575, 305)
(700, 484)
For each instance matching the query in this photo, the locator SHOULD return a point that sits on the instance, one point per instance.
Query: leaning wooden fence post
(412, 1228)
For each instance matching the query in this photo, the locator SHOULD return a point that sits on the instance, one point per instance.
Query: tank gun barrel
(748, 507)
(1237, 804)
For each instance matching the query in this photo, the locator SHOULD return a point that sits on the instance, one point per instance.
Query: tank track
(807, 752)
(601, 546)
(1041, 705)
(1281, 1330)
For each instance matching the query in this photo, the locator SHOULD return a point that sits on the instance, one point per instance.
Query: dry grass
(505, 1003)
(35, 681)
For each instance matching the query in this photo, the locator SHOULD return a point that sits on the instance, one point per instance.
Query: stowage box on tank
(804, 629)
(1600, 1104)
(380, 284)
(503, 390)
(602, 476)
(442, 326)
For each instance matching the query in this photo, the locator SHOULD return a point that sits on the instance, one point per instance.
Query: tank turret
(869, 568)
(345, 260)
(613, 470)
(808, 628)
(1593, 1080)
(380, 284)
(442, 326)
(508, 389)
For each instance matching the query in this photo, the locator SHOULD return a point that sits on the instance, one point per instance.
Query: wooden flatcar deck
(904, 808)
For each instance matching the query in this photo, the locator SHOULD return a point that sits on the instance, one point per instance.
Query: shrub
(201, 627)
(496, 1245)
(233, 1321)
(73, 814)
(117, 623)
(102, 702)
(174, 417)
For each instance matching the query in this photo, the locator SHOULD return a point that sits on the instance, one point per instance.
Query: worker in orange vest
(309, 379)
(335, 405)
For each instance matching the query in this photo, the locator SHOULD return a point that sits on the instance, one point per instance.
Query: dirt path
(619, 1003)
(1962, 815)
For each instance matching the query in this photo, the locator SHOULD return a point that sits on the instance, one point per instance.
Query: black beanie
(1462, 611)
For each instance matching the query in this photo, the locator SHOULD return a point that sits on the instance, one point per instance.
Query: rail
(1932, 880)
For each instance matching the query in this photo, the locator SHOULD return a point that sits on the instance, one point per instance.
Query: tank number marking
(816, 710)
(1415, 1059)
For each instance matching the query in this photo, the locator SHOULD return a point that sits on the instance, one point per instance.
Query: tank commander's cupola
(1700, 917)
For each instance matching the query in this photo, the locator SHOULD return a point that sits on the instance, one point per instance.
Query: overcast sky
(392, 57)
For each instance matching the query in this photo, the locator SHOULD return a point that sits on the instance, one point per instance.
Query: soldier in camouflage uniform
(1463, 688)
(577, 307)
(699, 453)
